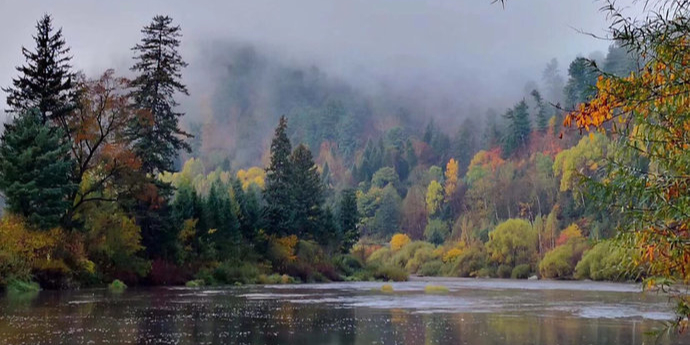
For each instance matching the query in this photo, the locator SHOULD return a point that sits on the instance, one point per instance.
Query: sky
(467, 50)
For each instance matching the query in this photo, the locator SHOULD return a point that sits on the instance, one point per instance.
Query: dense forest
(290, 175)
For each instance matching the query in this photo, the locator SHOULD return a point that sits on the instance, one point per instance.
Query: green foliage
(15, 286)
(156, 133)
(232, 272)
(387, 217)
(307, 195)
(469, 263)
(46, 83)
(504, 271)
(278, 193)
(519, 128)
(430, 268)
(195, 283)
(580, 86)
(607, 261)
(348, 217)
(391, 273)
(513, 243)
(384, 177)
(560, 262)
(436, 231)
(117, 286)
(35, 170)
(521, 272)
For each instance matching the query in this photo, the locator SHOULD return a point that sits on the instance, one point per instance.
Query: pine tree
(278, 213)
(35, 170)
(221, 221)
(519, 128)
(46, 82)
(155, 131)
(307, 191)
(348, 217)
(542, 112)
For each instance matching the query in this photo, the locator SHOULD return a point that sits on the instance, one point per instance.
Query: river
(474, 311)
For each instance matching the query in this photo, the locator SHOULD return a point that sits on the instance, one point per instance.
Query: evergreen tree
(46, 81)
(519, 128)
(554, 82)
(465, 145)
(278, 213)
(387, 217)
(542, 112)
(307, 192)
(35, 170)
(221, 221)
(581, 83)
(348, 217)
(155, 131)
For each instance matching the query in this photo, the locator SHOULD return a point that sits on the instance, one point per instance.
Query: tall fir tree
(35, 170)
(542, 115)
(348, 217)
(155, 130)
(45, 82)
(279, 211)
(519, 128)
(307, 191)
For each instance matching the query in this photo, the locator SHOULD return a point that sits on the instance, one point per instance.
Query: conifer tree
(35, 170)
(348, 217)
(45, 82)
(155, 130)
(307, 191)
(278, 213)
(519, 128)
(542, 116)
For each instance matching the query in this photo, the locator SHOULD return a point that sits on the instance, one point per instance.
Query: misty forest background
(287, 174)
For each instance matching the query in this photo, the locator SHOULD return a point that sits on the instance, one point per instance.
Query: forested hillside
(288, 174)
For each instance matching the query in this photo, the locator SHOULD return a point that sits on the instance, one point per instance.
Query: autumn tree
(46, 82)
(648, 113)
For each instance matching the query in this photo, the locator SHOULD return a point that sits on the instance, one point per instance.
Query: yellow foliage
(451, 178)
(452, 254)
(22, 249)
(398, 241)
(253, 175)
(572, 231)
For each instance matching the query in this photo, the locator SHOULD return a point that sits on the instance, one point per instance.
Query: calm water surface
(474, 312)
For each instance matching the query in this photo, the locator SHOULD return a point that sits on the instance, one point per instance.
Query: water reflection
(474, 312)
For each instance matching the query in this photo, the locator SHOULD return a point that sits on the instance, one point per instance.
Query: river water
(474, 311)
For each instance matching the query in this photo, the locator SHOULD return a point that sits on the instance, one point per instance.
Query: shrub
(560, 262)
(347, 264)
(387, 288)
(117, 286)
(469, 262)
(430, 269)
(435, 289)
(380, 256)
(398, 241)
(436, 231)
(605, 261)
(521, 271)
(391, 273)
(571, 232)
(15, 286)
(195, 283)
(452, 254)
(421, 257)
(512, 243)
(504, 271)
(402, 257)
(232, 272)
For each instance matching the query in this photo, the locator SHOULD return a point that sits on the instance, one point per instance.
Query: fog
(462, 50)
